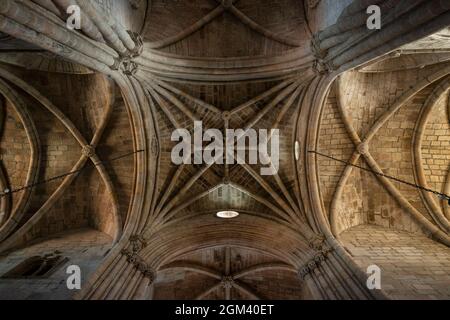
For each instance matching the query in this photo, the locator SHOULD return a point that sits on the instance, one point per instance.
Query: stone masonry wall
(436, 145)
(85, 248)
(412, 266)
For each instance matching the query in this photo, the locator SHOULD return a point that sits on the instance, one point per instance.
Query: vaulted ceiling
(244, 72)
(83, 106)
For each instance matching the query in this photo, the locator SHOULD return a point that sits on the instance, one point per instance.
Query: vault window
(36, 267)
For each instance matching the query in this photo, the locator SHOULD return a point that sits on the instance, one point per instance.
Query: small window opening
(36, 267)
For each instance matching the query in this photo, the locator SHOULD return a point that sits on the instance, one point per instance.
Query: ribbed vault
(138, 70)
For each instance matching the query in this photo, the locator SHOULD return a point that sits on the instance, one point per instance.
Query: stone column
(327, 278)
(62, 35)
(141, 292)
(349, 43)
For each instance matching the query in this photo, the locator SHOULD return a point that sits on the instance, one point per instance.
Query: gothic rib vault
(87, 117)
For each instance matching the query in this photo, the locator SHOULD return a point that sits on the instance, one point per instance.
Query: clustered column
(128, 276)
(39, 25)
(349, 42)
(329, 277)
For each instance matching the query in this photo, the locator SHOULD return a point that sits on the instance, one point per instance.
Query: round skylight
(227, 214)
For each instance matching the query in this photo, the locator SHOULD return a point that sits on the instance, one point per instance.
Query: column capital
(321, 65)
(316, 242)
(315, 261)
(140, 264)
(128, 66)
(137, 242)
